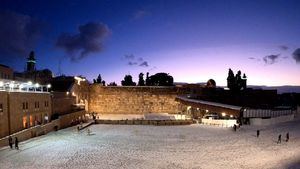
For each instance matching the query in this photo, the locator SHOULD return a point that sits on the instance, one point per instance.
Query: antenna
(59, 73)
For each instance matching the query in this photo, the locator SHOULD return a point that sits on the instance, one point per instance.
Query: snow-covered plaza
(138, 146)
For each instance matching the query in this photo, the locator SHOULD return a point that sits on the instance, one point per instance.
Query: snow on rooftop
(210, 103)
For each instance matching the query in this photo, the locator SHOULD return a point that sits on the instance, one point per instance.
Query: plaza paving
(137, 146)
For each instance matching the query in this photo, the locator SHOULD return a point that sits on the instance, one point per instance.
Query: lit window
(24, 122)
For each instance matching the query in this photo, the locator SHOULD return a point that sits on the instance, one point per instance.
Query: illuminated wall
(132, 100)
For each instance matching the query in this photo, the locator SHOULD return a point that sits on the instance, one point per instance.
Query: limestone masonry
(133, 100)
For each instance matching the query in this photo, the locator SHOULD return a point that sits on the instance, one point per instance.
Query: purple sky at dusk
(193, 40)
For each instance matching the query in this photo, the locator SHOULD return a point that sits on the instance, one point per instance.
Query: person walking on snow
(10, 142)
(287, 136)
(279, 139)
(16, 143)
(257, 133)
(234, 127)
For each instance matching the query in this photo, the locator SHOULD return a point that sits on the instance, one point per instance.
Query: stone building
(20, 110)
(43, 76)
(71, 87)
(6, 72)
(70, 97)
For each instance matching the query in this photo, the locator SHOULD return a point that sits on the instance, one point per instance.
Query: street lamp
(36, 86)
(11, 86)
(48, 87)
(29, 83)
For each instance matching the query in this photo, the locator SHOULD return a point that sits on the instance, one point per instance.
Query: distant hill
(280, 89)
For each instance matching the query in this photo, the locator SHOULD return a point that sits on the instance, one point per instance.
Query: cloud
(136, 61)
(285, 57)
(140, 14)
(283, 47)
(251, 58)
(129, 57)
(132, 63)
(88, 40)
(270, 59)
(144, 64)
(140, 59)
(19, 35)
(296, 55)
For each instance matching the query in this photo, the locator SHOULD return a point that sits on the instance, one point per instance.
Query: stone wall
(31, 132)
(3, 115)
(132, 100)
(70, 119)
(62, 102)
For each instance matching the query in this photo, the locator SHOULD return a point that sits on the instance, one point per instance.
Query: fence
(274, 120)
(255, 113)
(221, 123)
(146, 122)
(31, 132)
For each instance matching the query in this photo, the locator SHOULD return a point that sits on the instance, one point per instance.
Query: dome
(211, 83)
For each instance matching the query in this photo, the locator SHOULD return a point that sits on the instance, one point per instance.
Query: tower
(31, 62)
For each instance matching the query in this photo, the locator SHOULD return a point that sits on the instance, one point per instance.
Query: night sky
(192, 40)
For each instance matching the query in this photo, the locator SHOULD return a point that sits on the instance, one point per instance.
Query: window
(24, 106)
(25, 122)
(36, 104)
(46, 104)
(1, 107)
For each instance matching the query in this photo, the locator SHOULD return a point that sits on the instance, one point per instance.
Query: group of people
(287, 136)
(10, 142)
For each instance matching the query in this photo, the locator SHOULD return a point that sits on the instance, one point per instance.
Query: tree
(128, 81)
(238, 80)
(99, 80)
(230, 80)
(236, 83)
(147, 79)
(141, 80)
(160, 79)
(112, 84)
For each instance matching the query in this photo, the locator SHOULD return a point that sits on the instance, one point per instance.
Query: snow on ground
(137, 146)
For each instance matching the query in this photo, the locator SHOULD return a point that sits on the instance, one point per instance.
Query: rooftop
(17, 86)
(210, 103)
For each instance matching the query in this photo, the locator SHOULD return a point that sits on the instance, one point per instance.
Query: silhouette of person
(10, 142)
(257, 133)
(287, 136)
(279, 139)
(16, 143)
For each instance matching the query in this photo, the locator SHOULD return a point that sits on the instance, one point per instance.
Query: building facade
(21, 110)
(6, 72)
